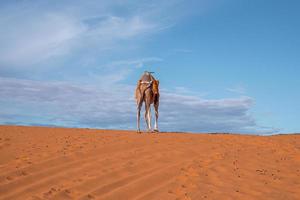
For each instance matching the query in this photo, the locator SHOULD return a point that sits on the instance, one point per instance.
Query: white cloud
(181, 50)
(239, 89)
(114, 27)
(34, 33)
(68, 104)
(28, 40)
(119, 70)
(135, 62)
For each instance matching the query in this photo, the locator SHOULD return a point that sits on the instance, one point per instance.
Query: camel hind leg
(139, 106)
(139, 96)
(156, 104)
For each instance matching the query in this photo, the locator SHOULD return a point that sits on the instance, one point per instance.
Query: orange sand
(58, 163)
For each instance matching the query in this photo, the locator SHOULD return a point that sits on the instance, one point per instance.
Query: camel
(147, 91)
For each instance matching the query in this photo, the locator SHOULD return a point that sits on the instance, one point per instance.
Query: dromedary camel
(147, 91)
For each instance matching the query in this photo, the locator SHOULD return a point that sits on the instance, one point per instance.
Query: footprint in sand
(90, 196)
(10, 178)
(23, 173)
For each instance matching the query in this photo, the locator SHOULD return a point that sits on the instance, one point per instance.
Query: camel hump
(147, 77)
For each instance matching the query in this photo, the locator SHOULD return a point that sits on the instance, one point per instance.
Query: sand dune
(57, 163)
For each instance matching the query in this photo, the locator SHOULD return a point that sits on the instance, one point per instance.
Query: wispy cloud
(34, 32)
(239, 89)
(29, 40)
(180, 50)
(118, 70)
(135, 63)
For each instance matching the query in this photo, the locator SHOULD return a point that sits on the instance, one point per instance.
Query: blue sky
(224, 66)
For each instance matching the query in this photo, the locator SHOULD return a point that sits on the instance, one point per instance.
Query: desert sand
(65, 163)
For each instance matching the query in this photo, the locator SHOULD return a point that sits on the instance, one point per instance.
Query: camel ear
(157, 82)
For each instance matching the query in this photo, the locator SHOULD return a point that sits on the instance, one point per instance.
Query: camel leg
(139, 106)
(156, 117)
(149, 118)
(147, 106)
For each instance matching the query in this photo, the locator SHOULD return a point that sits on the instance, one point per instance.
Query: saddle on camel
(147, 90)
